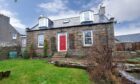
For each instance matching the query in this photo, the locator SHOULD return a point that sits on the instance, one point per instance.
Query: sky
(25, 13)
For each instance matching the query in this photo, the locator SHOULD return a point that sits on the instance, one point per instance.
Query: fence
(128, 46)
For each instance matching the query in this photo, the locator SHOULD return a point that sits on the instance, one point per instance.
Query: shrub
(53, 44)
(31, 51)
(45, 48)
(40, 55)
(25, 54)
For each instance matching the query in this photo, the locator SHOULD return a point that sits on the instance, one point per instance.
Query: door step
(58, 56)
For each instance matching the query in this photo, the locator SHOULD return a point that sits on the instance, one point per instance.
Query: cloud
(14, 21)
(57, 9)
(126, 12)
(54, 6)
(64, 14)
(123, 10)
(128, 29)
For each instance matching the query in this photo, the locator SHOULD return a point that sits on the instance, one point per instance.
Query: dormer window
(43, 21)
(86, 16)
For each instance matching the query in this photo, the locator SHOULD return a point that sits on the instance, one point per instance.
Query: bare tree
(100, 66)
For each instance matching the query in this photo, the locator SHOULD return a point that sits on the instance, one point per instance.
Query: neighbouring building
(75, 34)
(9, 37)
(130, 42)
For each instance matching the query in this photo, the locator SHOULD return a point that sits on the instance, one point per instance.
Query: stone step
(60, 54)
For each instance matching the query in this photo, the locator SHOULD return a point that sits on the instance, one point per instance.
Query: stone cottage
(75, 34)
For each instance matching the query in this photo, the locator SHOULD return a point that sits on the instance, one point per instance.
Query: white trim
(58, 44)
(90, 16)
(43, 22)
(91, 38)
(38, 41)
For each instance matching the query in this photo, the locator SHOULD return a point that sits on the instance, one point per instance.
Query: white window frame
(43, 22)
(38, 40)
(14, 35)
(90, 16)
(88, 37)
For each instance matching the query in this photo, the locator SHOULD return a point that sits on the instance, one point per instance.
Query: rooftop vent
(102, 10)
(66, 21)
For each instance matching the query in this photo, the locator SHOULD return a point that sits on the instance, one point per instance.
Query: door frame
(58, 41)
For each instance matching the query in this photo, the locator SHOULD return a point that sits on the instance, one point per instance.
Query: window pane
(88, 34)
(14, 36)
(40, 40)
(86, 16)
(88, 41)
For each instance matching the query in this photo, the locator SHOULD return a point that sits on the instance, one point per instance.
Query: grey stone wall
(100, 34)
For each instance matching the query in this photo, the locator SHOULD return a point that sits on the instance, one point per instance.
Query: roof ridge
(128, 34)
(65, 18)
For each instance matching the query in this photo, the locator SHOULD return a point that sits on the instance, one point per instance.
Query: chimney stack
(102, 10)
(4, 18)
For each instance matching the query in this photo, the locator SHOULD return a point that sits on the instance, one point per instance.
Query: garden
(33, 71)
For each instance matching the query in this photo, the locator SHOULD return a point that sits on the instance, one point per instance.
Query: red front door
(62, 42)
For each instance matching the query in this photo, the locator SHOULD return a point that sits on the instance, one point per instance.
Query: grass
(41, 72)
(134, 59)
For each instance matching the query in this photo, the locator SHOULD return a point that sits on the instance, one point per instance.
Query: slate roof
(72, 21)
(128, 38)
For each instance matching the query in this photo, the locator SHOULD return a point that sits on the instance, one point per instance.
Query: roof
(72, 21)
(129, 38)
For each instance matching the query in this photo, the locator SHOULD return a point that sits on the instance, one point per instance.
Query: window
(43, 22)
(86, 16)
(40, 40)
(88, 38)
(14, 36)
(24, 42)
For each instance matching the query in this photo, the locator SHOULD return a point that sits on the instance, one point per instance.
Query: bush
(32, 51)
(45, 48)
(25, 54)
(40, 55)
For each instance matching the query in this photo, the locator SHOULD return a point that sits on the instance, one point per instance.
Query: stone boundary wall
(126, 54)
(4, 51)
(127, 46)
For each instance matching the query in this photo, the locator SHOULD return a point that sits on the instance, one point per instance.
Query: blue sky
(25, 13)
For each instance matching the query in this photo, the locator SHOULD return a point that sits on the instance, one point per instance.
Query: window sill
(40, 46)
(87, 45)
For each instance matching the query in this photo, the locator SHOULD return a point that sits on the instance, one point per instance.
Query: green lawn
(134, 59)
(40, 72)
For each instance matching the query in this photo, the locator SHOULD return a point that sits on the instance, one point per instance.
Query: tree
(100, 62)
(100, 65)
